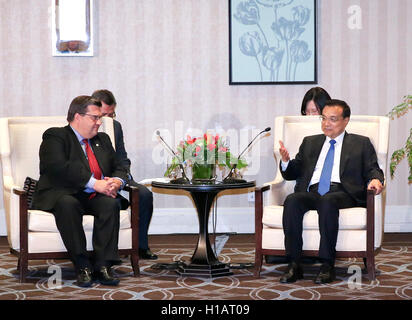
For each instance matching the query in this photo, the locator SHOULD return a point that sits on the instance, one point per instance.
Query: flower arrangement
(203, 155)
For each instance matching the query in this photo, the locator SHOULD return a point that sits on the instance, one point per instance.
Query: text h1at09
(212, 309)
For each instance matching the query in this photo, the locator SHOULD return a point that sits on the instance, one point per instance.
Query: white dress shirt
(319, 164)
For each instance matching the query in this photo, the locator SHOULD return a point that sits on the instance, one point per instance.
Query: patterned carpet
(394, 280)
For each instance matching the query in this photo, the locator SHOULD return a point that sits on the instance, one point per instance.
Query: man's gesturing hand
(283, 152)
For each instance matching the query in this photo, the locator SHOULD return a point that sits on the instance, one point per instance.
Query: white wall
(167, 63)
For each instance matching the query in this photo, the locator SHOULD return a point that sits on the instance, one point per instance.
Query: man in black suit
(79, 174)
(332, 172)
(109, 104)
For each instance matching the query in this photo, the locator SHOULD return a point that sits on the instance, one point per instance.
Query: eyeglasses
(111, 115)
(93, 116)
(331, 119)
(311, 113)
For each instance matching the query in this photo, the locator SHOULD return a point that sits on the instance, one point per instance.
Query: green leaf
(406, 151)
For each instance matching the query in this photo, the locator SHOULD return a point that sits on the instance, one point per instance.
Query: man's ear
(346, 120)
(76, 116)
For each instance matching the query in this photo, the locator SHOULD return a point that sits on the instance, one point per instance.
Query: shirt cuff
(284, 165)
(90, 184)
(122, 181)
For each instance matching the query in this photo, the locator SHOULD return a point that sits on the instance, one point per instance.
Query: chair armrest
(133, 196)
(130, 188)
(259, 206)
(262, 188)
(19, 191)
(370, 204)
(370, 220)
(134, 214)
(23, 218)
(279, 189)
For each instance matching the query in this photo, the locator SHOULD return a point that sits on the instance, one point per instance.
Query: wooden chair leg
(370, 267)
(134, 260)
(258, 263)
(22, 266)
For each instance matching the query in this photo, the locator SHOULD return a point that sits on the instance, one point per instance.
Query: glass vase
(202, 171)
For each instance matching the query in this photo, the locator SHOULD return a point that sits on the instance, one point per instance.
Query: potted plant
(406, 150)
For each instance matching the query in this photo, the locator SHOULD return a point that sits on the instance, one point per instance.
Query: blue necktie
(324, 182)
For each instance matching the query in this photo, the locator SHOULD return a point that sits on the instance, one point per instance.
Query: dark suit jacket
(358, 164)
(120, 148)
(64, 168)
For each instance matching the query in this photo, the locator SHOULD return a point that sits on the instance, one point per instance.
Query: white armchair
(360, 229)
(32, 234)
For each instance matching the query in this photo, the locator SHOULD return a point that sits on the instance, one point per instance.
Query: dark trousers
(69, 211)
(327, 206)
(145, 213)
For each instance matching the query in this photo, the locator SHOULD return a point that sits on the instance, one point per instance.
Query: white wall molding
(242, 220)
(3, 228)
(237, 220)
(398, 219)
(184, 220)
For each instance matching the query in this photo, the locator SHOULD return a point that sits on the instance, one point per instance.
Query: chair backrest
(20, 139)
(20, 142)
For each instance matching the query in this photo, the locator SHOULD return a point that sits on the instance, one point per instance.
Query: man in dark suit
(79, 174)
(332, 172)
(109, 104)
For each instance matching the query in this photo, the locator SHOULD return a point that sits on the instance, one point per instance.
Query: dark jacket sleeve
(56, 163)
(372, 169)
(110, 164)
(121, 153)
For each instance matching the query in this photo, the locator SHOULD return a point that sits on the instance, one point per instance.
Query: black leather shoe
(103, 277)
(147, 254)
(84, 278)
(293, 273)
(325, 275)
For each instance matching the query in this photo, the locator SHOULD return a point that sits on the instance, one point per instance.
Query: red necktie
(94, 165)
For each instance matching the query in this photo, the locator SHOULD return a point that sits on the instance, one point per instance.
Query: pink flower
(198, 148)
(222, 149)
(211, 146)
(190, 140)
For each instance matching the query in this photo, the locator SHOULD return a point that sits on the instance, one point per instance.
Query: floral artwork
(272, 41)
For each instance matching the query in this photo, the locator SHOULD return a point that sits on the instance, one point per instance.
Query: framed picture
(272, 42)
(72, 28)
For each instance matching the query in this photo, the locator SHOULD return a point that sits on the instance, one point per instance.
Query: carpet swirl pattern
(55, 279)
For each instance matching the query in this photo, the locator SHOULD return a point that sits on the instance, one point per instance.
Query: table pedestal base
(200, 270)
(204, 262)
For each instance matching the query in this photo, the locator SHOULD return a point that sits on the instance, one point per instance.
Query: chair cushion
(348, 240)
(349, 219)
(44, 221)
